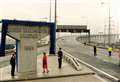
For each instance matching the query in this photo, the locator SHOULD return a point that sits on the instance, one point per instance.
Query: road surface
(85, 53)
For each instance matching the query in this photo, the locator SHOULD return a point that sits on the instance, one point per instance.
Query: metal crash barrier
(72, 60)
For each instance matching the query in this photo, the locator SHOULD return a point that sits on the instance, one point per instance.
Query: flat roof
(25, 22)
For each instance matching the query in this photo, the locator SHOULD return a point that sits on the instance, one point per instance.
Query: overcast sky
(77, 12)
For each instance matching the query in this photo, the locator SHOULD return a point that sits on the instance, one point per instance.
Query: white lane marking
(103, 80)
(96, 69)
(102, 72)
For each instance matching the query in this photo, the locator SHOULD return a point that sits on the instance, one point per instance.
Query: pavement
(67, 73)
(85, 78)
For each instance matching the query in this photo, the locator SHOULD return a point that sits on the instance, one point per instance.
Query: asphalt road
(85, 53)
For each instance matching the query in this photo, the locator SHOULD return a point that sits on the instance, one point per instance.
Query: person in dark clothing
(60, 55)
(84, 43)
(95, 51)
(12, 62)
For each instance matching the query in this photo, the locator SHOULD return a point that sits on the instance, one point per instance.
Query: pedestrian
(95, 51)
(110, 51)
(12, 62)
(119, 56)
(45, 63)
(84, 43)
(60, 55)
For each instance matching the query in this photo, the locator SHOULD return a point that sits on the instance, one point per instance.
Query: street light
(109, 29)
(109, 24)
(55, 20)
(50, 12)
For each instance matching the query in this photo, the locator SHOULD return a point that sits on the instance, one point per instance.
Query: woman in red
(44, 61)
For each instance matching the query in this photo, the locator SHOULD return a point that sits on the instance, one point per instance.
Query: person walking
(95, 51)
(110, 51)
(60, 55)
(45, 64)
(12, 62)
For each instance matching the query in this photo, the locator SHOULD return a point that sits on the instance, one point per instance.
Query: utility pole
(50, 12)
(55, 13)
(109, 29)
(109, 24)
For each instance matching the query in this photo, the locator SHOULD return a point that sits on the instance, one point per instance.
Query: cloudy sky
(77, 12)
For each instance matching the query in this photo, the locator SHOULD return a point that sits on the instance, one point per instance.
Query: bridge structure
(27, 33)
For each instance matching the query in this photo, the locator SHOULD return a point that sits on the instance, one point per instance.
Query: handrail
(72, 60)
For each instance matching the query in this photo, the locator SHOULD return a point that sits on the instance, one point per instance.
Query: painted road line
(97, 70)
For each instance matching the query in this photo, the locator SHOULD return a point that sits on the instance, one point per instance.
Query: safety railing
(72, 60)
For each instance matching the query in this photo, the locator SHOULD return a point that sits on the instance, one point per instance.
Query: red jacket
(45, 65)
(119, 53)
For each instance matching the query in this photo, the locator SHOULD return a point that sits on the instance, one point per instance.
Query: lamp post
(104, 35)
(55, 20)
(109, 24)
(109, 29)
(50, 12)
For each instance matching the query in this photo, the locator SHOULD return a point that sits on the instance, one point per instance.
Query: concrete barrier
(5, 58)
